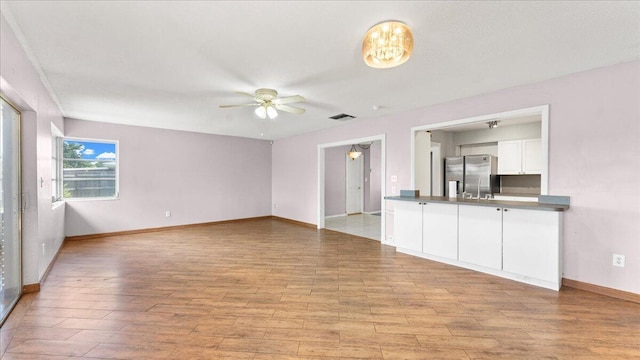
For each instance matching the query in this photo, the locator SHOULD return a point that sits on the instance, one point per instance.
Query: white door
(480, 235)
(440, 230)
(531, 243)
(407, 225)
(532, 156)
(355, 184)
(510, 157)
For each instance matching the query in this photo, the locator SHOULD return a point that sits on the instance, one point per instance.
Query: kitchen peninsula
(517, 240)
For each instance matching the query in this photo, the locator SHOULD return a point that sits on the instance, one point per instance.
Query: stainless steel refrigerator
(480, 176)
(454, 171)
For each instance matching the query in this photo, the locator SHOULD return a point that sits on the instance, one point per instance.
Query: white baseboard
(334, 216)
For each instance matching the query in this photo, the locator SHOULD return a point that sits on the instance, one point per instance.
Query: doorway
(332, 167)
(10, 209)
(354, 184)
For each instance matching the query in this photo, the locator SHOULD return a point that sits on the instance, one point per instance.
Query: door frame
(383, 172)
(6, 96)
(347, 172)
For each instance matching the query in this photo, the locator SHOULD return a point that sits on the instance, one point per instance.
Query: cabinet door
(532, 156)
(407, 225)
(531, 243)
(509, 157)
(480, 235)
(440, 230)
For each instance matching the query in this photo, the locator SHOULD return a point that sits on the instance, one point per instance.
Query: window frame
(56, 165)
(116, 195)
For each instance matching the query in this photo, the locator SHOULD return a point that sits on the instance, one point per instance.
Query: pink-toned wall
(42, 224)
(335, 181)
(594, 148)
(199, 178)
(373, 187)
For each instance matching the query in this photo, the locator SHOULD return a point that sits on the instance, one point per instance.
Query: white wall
(593, 152)
(509, 132)
(42, 225)
(199, 178)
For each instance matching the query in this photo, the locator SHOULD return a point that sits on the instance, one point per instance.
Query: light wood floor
(267, 289)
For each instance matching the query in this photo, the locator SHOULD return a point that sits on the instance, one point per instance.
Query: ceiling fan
(268, 103)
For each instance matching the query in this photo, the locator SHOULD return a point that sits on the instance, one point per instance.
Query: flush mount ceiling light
(493, 124)
(387, 45)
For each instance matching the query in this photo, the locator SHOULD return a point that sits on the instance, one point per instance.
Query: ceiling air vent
(342, 117)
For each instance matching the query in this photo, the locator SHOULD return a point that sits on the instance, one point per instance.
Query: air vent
(342, 117)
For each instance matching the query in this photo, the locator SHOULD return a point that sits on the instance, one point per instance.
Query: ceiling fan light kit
(268, 103)
(387, 44)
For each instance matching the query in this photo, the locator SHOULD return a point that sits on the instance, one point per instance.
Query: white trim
(335, 216)
(542, 110)
(116, 196)
(383, 174)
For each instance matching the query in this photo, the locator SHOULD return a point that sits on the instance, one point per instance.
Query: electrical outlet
(167, 213)
(618, 260)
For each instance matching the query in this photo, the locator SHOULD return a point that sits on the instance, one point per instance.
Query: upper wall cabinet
(517, 157)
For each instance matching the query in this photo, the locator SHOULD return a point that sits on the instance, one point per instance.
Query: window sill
(57, 204)
(91, 199)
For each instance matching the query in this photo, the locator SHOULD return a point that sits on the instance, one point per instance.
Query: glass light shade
(272, 112)
(353, 153)
(261, 112)
(387, 44)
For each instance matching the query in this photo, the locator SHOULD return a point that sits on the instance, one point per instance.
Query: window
(90, 169)
(56, 164)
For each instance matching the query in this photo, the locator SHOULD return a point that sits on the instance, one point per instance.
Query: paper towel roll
(453, 189)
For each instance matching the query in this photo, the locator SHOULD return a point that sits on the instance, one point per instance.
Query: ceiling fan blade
(238, 105)
(288, 99)
(290, 109)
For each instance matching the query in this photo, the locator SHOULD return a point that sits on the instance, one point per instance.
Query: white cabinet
(440, 230)
(480, 235)
(429, 228)
(531, 244)
(516, 157)
(407, 225)
(515, 243)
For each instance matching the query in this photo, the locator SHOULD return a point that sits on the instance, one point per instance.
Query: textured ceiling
(170, 64)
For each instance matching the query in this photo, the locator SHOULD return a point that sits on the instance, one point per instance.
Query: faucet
(479, 178)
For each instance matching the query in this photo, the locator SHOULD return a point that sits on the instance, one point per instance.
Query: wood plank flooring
(268, 289)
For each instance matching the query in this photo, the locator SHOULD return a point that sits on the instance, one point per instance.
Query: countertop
(482, 202)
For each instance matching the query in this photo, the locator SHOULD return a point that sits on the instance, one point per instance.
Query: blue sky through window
(99, 151)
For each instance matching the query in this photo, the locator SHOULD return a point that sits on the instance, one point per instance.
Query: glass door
(10, 209)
